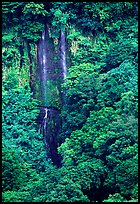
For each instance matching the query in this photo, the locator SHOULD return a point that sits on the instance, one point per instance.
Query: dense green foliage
(98, 142)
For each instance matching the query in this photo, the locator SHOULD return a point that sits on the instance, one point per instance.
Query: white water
(45, 117)
(43, 35)
(63, 55)
(44, 62)
(46, 113)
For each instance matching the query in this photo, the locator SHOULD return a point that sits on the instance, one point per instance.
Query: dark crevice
(30, 67)
(21, 48)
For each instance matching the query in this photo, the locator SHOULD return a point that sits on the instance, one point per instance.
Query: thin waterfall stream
(63, 53)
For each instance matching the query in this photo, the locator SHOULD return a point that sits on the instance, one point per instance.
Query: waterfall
(49, 91)
(47, 70)
(43, 65)
(63, 54)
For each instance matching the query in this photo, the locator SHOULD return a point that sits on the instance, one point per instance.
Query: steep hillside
(70, 101)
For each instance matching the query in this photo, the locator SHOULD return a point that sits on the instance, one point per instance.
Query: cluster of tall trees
(98, 142)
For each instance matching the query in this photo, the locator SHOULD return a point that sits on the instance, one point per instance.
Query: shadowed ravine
(49, 121)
